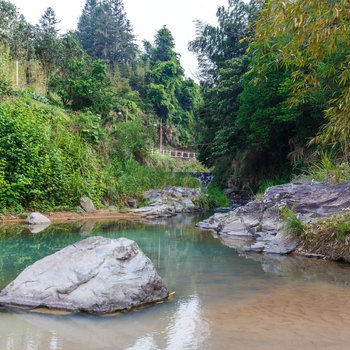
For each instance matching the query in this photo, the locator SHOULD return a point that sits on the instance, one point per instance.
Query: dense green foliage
(83, 110)
(174, 99)
(43, 164)
(274, 76)
(79, 111)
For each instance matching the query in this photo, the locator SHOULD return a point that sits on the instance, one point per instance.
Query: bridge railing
(177, 153)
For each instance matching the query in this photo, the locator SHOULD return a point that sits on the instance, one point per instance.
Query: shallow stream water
(224, 299)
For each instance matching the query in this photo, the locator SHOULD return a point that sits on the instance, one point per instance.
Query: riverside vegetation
(275, 85)
(81, 111)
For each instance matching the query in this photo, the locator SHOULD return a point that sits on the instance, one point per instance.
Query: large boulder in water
(96, 275)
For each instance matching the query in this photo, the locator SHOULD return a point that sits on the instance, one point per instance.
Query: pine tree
(164, 45)
(86, 25)
(8, 16)
(106, 33)
(48, 22)
(47, 44)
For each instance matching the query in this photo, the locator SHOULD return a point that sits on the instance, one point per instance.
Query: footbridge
(176, 153)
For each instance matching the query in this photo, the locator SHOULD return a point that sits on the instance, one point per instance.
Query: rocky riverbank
(170, 202)
(159, 204)
(259, 226)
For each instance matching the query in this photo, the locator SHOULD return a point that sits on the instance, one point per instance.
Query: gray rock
(215, 222)
(87, 205)
(310, 200)
(261, 219)
(169, 202)
(112, 208)
(96, 275)
(257, 247)
(131, 203)
(282, 243)
(37, 219)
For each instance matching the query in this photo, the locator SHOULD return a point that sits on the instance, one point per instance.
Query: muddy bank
(70, 216)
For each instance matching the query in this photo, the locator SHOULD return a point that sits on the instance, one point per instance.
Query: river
(223, 299)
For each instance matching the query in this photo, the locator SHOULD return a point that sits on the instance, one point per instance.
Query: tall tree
(106, 33)
(22, 40)
(168, 91)
(86, 25)
(47, 43)
(48, 22)
(214, 45)
(312, 40)
(222, 58)
(8, 17)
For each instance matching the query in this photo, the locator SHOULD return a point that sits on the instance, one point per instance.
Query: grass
(217, 198)
(328, 169)
(177, 165)
(293, 224)
(212, 198)
(135, 179)
(329, 237)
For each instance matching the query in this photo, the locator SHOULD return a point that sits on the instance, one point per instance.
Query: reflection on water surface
(224, 299)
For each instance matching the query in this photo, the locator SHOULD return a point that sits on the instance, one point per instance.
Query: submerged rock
(261, 219)
(169, 202)
(96, 275)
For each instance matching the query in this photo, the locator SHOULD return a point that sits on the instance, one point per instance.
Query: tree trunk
(17, 73)
(161, 136)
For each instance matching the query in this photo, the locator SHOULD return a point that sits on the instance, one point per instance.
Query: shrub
(43, 163)
(216, 197)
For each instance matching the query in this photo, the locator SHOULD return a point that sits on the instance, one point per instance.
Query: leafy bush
(216, 197)
(44, 164)
(84, 84)
(212, 198)
(132, 140)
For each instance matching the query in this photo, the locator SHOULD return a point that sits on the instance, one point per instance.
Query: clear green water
(212, 283)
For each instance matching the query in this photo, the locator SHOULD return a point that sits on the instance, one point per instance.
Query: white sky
(146, 16)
